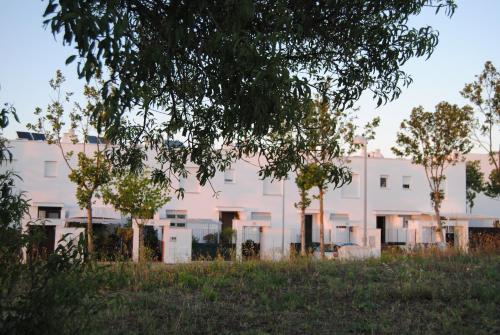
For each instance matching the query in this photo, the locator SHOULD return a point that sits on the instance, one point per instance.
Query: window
(384, 181)
(352, 190)
(190, 183)
(50, 169)
(49, 212)
(261, 216)
(406, 220)
(271, 187)
(229, 176)
(406, 182)
(178, 218)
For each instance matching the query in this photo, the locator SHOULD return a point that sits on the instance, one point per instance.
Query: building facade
(399, 210)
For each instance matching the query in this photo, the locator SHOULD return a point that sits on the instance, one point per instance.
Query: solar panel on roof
(92, 139)
(24, 135)
(38, 136)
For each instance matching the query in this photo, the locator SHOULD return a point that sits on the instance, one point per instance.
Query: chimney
(69, 136)
(376, 154)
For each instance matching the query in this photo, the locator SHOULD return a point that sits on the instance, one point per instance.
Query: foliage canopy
(436, 140)
(484, 94)
(232, 72)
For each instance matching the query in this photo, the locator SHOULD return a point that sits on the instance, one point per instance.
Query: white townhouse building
(398, 204)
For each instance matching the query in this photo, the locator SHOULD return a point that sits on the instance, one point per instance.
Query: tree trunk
(321, 224)
(90, 233)
(142, 255)
(440, 234)
(303, 231)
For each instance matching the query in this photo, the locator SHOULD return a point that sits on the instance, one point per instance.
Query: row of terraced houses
(398, 209)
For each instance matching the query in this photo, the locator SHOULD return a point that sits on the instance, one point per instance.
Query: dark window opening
(383, 182)
(49, 212)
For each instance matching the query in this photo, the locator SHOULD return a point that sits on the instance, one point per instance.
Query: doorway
(381, 226)
(227, 232)
(308, 230)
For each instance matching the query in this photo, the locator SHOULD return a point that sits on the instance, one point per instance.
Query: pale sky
(30, 56)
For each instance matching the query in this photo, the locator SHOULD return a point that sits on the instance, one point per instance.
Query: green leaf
(70, 59)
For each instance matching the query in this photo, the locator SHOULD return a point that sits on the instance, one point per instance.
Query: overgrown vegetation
(424, 293)
(38, 295)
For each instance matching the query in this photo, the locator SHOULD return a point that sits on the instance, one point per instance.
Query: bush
(46, 296)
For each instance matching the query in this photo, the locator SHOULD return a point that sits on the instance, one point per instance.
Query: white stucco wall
(246, 193)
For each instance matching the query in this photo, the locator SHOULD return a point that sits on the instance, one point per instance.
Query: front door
(227, 226)
(308, 230)
(381, 226)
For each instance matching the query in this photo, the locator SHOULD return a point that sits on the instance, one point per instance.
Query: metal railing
(400, 236)
(206, 235)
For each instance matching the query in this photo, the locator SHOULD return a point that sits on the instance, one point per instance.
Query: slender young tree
(137, 196)
(92, 169)
(303, 183)
(324, 140)
(436, 140)
(474, 182)
(331, 136)
(484, 94)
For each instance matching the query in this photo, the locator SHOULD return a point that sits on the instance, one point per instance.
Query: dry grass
(431, 293)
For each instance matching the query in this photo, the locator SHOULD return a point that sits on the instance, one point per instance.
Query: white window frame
(403, 183)
(261, 216)
(47, 172)
(386, 177)
(178, 218)
(190, 183)
(274, 188)
(229, 173)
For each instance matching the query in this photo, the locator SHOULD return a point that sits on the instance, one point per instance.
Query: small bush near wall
(484, 239)
(54, 294)
(204, 251)
(111, 242)
(152, 245)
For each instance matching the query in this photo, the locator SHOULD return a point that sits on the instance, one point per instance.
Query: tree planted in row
(325, 141)
(436, 140)
(484, 94)
(91, 170)
(137, 196)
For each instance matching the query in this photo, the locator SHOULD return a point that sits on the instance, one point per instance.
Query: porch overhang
(229, 209)
(396, 212)
(95, 219)
(462, 216)
(48, 204)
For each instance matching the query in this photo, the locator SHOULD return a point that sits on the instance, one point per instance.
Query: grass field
(457, 294)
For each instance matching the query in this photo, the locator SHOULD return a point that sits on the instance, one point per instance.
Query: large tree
(92, 169)
(231, 72)
(484, 94)
(436, 140)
